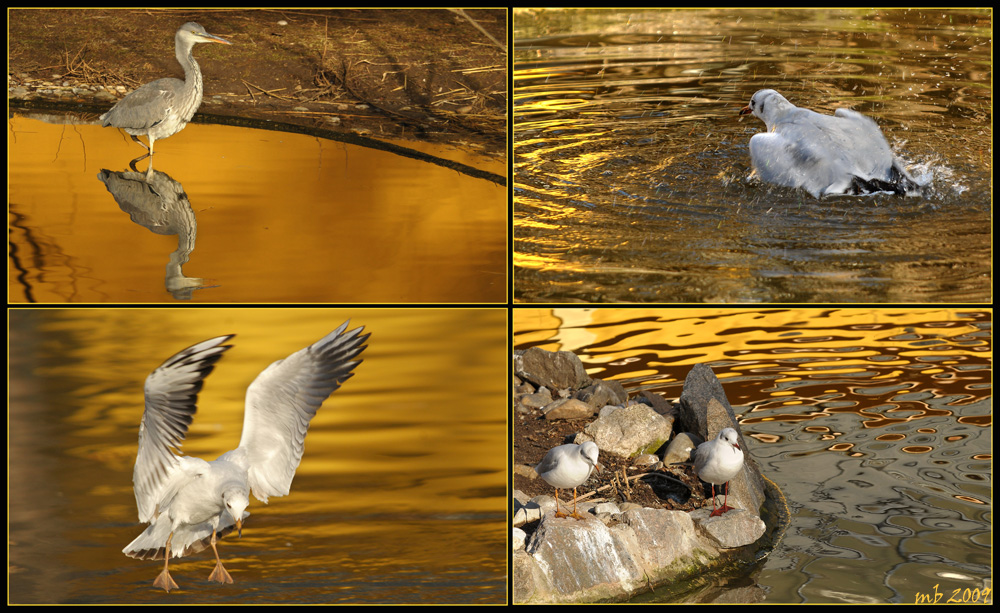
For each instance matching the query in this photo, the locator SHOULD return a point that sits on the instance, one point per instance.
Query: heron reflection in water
(162, 108)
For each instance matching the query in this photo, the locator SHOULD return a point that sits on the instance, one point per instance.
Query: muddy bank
(426, 75)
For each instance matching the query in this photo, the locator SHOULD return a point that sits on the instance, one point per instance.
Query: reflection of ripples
(903, 514)
(632, 167)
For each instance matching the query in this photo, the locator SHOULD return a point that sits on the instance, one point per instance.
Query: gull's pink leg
(575, 514)
(219, 574)
(164, 579)
(558, 512)
(726, 507)
(715, 512)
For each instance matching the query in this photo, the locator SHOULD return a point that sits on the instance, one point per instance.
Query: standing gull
(840, 154)
(717, 461)
(190, 503)
(568, 466)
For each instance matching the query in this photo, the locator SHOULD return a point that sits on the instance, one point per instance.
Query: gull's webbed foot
(220, 574)
(165, 581)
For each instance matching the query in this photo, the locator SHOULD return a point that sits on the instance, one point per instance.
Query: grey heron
(162, 108)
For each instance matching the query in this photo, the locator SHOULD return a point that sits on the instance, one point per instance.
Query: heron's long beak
(212, 38)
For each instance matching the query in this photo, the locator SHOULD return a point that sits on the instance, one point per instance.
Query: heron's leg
(149, 151)
(219, 574)
(149, 171)
(136, 139)
(164, 579)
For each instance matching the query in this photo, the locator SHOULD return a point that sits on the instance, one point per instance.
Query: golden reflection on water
(886, 366)
(404, 466)
(633, 170)
(267, 217)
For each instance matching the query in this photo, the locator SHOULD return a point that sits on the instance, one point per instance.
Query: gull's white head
(588, 451)
(729, 436)
(236, 501)
(768, 106)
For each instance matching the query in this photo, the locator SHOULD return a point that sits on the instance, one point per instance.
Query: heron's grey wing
(282, 400)
(145, 107)
(171, 395)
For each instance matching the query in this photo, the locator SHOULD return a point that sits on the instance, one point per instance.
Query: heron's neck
(192, 73)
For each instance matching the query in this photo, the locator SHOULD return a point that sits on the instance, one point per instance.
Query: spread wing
(281, 402)
(171, 395)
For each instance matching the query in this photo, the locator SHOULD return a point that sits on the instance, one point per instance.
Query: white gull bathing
(840, 154)
(717, 461)
(190, 503)
(568, 466)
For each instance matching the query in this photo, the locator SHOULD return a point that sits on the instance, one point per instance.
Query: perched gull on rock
(190, 503)
(840, 154)
(717, 461)
(568, 466)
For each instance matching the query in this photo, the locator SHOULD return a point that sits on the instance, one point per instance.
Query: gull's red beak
(746, 110)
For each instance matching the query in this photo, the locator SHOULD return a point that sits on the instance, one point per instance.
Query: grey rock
(660, 405)
(582, 561)
(602, 393)
(537, 400)
(645, 459)
(700, 386)
(667, 537)
(524, 388)
(608, 410)
(567, 408)
(680, 448)
(632, 430)
(606, 507)
(555, 370)
(731, 529)
(518, 539)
